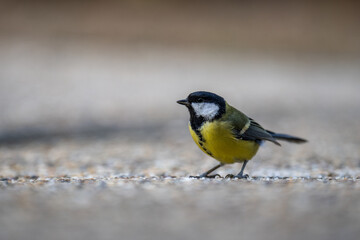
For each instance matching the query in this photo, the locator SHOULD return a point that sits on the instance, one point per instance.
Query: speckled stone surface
(137, 187)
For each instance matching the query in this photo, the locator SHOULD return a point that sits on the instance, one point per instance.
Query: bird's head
(204, 106)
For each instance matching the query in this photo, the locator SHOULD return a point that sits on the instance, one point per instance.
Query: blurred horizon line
(329, 27)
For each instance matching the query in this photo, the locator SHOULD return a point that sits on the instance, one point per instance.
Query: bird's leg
(206, 174)
(241, 173)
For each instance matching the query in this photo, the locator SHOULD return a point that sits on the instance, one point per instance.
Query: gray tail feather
(286, 137)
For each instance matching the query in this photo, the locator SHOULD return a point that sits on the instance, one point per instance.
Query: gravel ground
(137, 187)
(105, 153)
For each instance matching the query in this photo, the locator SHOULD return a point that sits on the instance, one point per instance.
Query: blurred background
(88, 94)
(66, 66)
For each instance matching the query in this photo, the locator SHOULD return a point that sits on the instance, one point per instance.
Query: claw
(205, 176)
(231, 176)
(197, 177)
(245, 176)
(213, 176)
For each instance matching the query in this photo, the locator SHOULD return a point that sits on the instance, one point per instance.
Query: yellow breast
(216, 139)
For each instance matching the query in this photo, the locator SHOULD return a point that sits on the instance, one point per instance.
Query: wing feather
(255, 132)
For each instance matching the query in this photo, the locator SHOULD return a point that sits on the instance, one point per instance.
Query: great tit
(225, 133)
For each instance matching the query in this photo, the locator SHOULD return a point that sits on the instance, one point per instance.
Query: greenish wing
(237, 119)
(255, 132)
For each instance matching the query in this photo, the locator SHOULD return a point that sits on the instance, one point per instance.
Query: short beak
(183, 102)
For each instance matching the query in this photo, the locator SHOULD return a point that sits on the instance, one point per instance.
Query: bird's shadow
(37, 134)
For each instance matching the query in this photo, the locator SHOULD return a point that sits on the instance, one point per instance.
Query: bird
(225, 133)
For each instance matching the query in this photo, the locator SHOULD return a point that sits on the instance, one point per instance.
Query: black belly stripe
(204, 148)
(198, 133)
(208, 152)
(202, 141)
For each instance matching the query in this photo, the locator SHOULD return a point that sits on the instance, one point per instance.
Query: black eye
(200, 100)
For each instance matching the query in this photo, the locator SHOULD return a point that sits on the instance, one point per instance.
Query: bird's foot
(243, 176)
(205, 176)
(231, 176)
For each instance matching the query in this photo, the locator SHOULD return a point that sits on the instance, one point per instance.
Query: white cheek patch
(206, 110)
